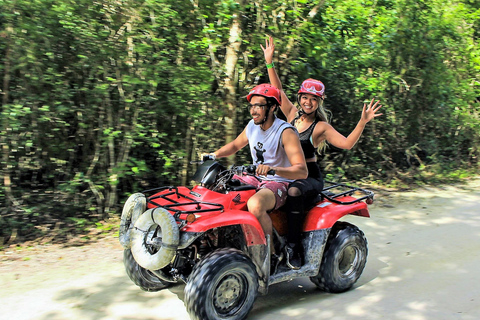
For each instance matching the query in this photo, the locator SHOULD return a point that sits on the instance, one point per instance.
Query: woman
(312, 124)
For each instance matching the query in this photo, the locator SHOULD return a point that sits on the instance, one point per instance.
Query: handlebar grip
(253, 168)
(207, 157)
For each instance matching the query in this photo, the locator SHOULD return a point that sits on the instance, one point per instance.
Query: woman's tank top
(306, 139)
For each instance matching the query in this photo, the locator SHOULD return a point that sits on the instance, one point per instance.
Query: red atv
(206, 238)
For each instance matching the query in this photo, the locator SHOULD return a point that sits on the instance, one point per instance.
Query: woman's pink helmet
(314, 87)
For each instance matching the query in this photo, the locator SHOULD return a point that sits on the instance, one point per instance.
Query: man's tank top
(266, 146)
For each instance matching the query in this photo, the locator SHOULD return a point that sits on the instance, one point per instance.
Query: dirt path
(424, 252)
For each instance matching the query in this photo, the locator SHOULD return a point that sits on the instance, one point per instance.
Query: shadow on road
(114, 295)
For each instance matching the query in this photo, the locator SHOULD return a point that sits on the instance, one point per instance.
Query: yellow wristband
(270, 65)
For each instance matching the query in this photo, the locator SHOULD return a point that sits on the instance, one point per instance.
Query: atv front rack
(346, 191)
(169, 201)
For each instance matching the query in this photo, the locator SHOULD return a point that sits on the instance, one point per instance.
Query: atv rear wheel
(142, 277)
(223, 286)
(343, 260)
(133, 208)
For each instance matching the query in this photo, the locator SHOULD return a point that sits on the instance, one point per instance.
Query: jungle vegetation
(102, 98)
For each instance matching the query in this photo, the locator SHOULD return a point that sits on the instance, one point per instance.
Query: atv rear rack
(174, 205)
(347, 191)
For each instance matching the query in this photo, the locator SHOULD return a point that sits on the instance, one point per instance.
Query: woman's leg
(295, 214)
(301, 193)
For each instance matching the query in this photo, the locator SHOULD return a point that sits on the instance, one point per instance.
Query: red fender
(326, 213)
(232, 200)
(251, 227)
(234, 212)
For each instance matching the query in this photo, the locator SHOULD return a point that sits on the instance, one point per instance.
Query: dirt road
(424, 253)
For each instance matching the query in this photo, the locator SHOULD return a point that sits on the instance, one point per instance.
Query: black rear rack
(172, 206)
(346, 190)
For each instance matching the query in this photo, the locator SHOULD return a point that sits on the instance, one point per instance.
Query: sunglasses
(256, 107)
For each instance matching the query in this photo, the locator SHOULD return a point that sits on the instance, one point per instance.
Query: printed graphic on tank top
(266, 145)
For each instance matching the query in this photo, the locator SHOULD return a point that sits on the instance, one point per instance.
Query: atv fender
(326, 213)
(251, 227)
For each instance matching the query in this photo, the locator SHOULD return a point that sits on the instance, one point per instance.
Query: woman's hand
(268, 50)
(370, 112)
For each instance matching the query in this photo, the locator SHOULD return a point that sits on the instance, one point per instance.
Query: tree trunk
(231, 81)
(7, 181)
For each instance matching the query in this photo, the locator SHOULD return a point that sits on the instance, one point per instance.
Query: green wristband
(270, 65)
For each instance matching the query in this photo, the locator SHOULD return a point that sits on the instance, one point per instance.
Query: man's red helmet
(314, 87)
(265, 90)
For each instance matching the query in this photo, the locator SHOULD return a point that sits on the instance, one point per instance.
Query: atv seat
(237, 185)
(243, 187)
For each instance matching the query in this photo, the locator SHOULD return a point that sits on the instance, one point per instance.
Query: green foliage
(104, 98)
(413, 56)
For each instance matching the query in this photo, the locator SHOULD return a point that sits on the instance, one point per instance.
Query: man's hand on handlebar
(263, 170)
(208, 156)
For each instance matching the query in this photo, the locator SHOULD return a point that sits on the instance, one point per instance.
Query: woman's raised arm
(287, 106)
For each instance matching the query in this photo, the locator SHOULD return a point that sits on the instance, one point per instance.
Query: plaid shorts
(279, 188)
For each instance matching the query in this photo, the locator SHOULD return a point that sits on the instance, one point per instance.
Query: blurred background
(100, 99)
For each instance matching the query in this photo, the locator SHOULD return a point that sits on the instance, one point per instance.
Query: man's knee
(254, 207)
(261, 202)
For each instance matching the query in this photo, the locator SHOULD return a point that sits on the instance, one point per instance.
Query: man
(274, 145)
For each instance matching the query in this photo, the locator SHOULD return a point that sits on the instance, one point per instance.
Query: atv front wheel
(343, 260)
(222, 286)
(142, 277)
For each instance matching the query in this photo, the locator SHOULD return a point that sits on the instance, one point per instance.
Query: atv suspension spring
(204, 247)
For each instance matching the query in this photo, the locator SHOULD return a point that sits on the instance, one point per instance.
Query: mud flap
(260, 255)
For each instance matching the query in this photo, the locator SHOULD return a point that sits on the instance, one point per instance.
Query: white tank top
(266, 146)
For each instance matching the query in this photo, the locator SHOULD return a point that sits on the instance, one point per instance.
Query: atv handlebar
(250, 169)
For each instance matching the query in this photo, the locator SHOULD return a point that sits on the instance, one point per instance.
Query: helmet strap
(266, 116)
(301, 112)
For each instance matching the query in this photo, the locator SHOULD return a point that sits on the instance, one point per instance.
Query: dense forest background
(103, 98)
